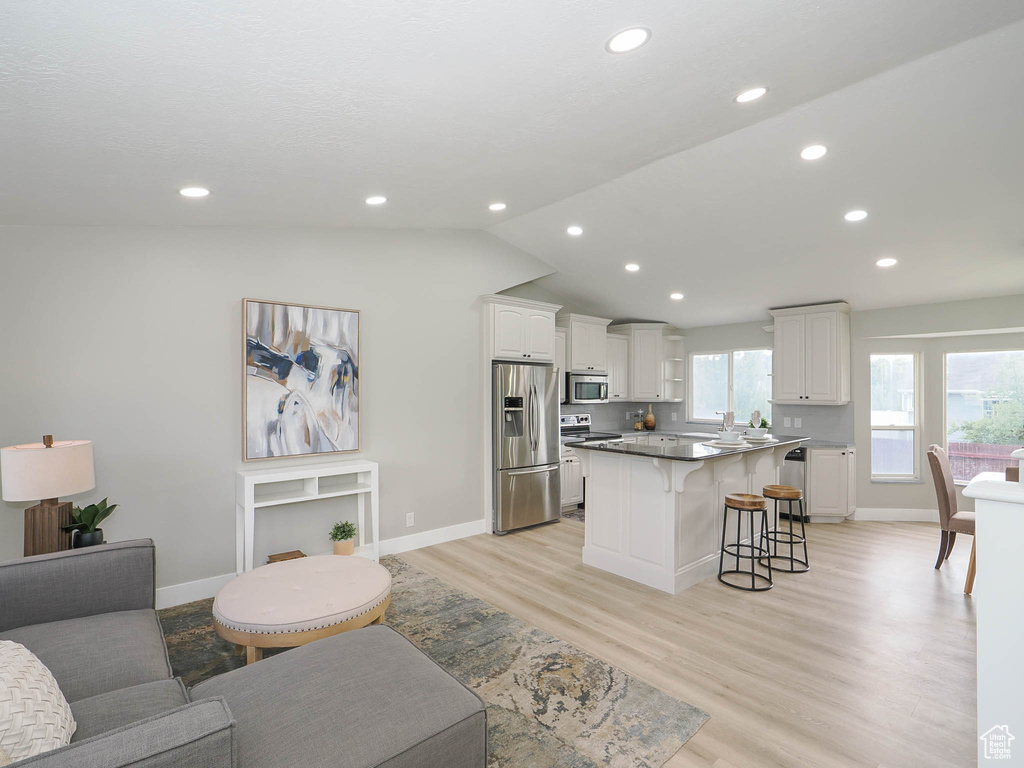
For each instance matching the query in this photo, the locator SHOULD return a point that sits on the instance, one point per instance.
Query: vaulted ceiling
(292, 114)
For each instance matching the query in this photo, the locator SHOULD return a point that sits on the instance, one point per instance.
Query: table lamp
(46, 471)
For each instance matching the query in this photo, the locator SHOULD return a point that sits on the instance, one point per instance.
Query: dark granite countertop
(693, 449)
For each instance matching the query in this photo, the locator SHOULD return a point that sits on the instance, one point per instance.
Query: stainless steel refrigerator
(527, 487)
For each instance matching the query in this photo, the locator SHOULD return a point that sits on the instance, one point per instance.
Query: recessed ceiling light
(194, 192)
(632, 267)
(497, 206)
(575, 231)
(751, 95)
(376, 200)
(814, 152)
(628, 40)
(676, 296)
(888, 262)
(856, 216)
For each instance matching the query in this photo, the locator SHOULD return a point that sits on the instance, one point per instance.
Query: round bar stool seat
(748, 504)
(771, 538)
(744, 501)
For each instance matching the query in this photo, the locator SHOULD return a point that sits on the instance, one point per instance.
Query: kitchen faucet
(728, 419)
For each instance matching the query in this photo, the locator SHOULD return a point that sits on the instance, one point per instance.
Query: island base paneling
(658, 521)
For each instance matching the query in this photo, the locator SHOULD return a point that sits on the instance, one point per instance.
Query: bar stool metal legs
(754, 552)
(770, 539)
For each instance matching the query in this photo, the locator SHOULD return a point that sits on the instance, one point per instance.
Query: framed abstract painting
(300, 393)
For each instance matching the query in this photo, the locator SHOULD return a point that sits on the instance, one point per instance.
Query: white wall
(132, 338)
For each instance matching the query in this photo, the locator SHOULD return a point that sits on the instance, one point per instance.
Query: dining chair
(951, 521)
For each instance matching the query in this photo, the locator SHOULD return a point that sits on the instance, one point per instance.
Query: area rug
(549, 704)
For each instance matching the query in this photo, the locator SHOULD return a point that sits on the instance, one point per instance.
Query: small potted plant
(85, 530)
(342, 535)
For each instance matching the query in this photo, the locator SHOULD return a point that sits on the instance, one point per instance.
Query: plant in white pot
(342, 534)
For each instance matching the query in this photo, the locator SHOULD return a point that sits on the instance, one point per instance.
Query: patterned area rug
(549, 704)
(579, 514)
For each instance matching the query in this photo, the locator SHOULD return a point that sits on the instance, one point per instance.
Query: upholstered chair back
(945, 491)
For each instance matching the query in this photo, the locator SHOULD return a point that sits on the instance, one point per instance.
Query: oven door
(588, 389)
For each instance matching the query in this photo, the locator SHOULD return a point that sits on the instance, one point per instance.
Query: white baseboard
(430, 538)
(177, 594)
(896, 515)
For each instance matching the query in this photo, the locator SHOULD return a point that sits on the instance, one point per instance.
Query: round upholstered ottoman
(294, 602)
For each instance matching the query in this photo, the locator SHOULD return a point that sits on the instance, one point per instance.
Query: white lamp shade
(32, 472)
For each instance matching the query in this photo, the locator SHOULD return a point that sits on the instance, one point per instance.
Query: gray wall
(873, 333)
(132, 338)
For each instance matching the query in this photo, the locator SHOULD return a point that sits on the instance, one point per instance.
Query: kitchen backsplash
(821, 422)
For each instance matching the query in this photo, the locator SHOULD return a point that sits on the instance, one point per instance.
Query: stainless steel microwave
(587, 388)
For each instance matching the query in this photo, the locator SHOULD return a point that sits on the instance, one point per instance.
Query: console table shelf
(260, 488)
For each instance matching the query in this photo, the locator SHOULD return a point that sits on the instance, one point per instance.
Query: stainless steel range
(576, 426)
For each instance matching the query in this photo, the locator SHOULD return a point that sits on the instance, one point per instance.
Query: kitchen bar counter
(693, 449)
(654, 512)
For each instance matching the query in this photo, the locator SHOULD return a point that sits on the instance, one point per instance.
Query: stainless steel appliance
(794, 473)
(576, 426)
(586, 388)
(527, 486)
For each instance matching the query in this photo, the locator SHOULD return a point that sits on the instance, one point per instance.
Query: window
(984, 410)
(894, 418)
(738, 381)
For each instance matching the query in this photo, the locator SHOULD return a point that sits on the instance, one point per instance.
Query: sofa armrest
(76, 583)
(200, 734)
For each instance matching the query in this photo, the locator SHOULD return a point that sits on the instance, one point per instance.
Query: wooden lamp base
(43, 524)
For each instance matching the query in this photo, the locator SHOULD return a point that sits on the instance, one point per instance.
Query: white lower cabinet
(831, 475)
(571, 476)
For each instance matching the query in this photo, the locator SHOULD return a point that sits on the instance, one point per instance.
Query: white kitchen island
(654, 513)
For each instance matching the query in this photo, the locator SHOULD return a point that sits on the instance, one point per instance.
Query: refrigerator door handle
(534, 471)
(534, 423)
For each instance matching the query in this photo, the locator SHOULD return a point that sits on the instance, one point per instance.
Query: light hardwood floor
(867, 660)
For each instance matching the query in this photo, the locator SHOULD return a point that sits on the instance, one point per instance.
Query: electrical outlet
(409, 519)
(798, 423)
(787, 422)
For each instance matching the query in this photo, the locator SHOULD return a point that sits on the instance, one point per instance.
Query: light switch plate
(798, 423)
(787, 422)
(674, 416)
(409, 517)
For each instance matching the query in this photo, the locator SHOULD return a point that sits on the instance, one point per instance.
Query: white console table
(259, 488)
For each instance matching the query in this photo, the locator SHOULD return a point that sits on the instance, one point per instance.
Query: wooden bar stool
(772, 538)
(751, 504)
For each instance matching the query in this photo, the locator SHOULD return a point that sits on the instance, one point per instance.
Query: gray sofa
(360, 699)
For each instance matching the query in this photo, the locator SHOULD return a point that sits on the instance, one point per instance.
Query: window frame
(915, 427)
(731, 399)
(945, 390)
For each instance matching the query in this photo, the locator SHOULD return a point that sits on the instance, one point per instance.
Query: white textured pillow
(34, 715)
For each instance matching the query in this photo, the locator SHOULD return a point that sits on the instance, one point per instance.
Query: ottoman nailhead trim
(239, 628)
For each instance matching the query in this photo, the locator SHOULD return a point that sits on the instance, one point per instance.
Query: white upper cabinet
(811, 357)
(560, 338)
(520, 329)
(586, 342)
(648, 362)
(618, 367)
(655, 361)
(540, 335)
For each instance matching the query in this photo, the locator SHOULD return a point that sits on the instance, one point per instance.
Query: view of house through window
(893, 416)
(984, 410)
(737, 381)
